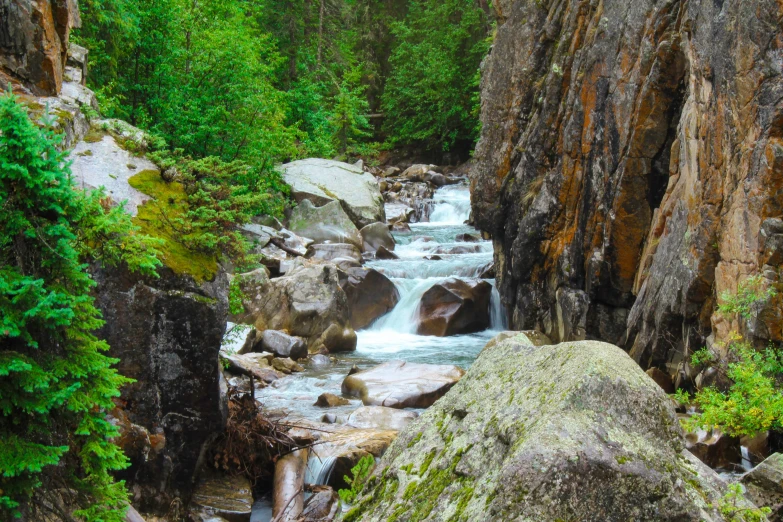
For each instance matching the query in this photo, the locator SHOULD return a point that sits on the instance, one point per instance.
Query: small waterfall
(746, 464)
(497, 315)
(451, 206)
(402, 318)
(319, 470)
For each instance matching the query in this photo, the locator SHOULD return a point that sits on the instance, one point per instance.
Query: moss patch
(155, 218)
(94, 135)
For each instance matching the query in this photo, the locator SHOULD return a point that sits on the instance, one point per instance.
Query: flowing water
(393, 337)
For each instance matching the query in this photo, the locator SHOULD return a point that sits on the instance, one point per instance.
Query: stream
(393, 337)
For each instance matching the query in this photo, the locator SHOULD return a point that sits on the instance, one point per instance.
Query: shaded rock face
(455, 306)
(370, 295)
(764, 485)
(630, 156)
(34, 41)
(166, 334)
(574, 431)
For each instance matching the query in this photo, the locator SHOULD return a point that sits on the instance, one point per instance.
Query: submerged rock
(330, 400)
(370, 295)
(227, 496)
(455, 306)
(575, 431)
(399, 384)
(322, 181)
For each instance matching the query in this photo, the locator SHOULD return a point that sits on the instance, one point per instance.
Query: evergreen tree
(55, 382)
(430, 95)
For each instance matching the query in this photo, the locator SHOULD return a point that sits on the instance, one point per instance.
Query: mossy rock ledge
(575, 431)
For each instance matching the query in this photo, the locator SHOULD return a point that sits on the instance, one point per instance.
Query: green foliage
(359, 474)
(750, 293)
(430, 96)
(236, 296)
(56, 383)
(754, 401)
(735, 508)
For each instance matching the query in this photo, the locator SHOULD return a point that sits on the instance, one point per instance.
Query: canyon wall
(34, 41)
(630, 168)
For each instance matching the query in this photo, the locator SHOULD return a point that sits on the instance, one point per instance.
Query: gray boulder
(283, 345)
(400, 384)
(575, 431)
(328, 223)
(764, 485)
(376, 235)
(322, 181)
(335, 252)
(306, 302)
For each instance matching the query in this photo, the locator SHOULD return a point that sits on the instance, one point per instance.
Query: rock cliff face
(34, 41)
(166, 334)
(630, 167)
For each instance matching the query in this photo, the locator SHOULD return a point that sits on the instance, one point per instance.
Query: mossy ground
(156, 219)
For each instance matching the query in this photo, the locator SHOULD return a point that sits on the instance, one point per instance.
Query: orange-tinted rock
(632, 154)
(34, 41)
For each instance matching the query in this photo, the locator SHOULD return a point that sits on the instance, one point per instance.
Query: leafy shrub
(734, 507)
(754, 401)
(56, 384)
(359, 474)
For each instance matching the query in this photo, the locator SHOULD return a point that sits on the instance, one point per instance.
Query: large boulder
(574, 431)
(764, 485)
(455, 306)
(166, 334)
(370, 295)
(322, 181)
(376, 235)
(400, 384)
(283, 345)
(337, 252)
(307, 302)
(327, 223)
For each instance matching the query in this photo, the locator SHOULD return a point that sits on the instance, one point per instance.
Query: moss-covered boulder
(574, 431)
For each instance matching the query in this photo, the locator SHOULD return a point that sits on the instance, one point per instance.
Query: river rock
(417, 172)
(376, 235)
(286, 365)
(661, 378)
(306, 302)
(252, 364)
(283, 345)
(454, 306)
(574, 431)
(457, 249)
(370, 295)
(328, 223)
(322, 505)
(384, 253)
(322, 181)
(227, 496)
(764, 485)
(381, 418)
(335, 252)
(330, 400)
(468, 238)
(320, 360)
(715, 449)
(399, 384)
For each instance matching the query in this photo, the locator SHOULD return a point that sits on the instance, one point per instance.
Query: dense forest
(268, 81)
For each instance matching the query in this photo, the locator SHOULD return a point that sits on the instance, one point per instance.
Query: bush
(56, 383)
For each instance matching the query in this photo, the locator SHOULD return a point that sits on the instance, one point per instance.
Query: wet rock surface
(575, 431)
(226, 496)
(455, 306)
(399, 384)
(370, 295)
